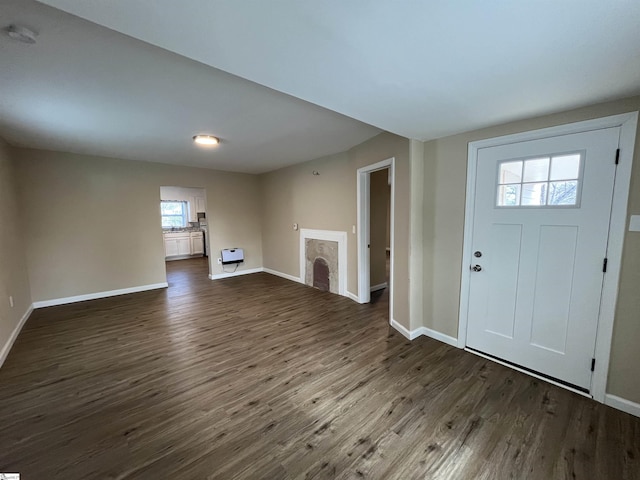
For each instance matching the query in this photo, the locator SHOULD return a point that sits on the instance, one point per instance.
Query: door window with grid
(552, 181)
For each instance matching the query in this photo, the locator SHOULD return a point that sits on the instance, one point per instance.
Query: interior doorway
(375, 219)
(184, 227)
(379, 232)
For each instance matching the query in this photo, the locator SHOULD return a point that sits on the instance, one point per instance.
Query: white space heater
(232, 255)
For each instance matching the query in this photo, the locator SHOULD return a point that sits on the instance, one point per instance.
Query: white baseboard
(283, 275)
(427, 332)
(438, 336)
(93, 296)
(299, 280)
(409, 334)
(380, 286)
(352, 296)
(14, 334)
(218, 276)
(623, 404)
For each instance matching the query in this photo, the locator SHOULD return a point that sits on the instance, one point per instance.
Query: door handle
(476, 268)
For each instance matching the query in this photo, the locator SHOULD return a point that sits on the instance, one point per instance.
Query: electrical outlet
(11, 301)
(219, 261)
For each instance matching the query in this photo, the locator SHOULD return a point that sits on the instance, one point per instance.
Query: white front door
(540, 231)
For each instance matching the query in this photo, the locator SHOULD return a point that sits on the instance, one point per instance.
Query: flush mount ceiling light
(21, 34)
(206, 140)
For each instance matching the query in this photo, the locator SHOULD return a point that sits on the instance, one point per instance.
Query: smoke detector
(21, 34)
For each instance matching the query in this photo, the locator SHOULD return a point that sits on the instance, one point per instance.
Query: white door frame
(364, 227)
(628, 123)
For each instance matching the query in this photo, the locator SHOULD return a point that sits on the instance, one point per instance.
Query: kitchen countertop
(182, 230)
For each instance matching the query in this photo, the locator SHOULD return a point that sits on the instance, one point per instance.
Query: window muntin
(549, 181)
(174, 214)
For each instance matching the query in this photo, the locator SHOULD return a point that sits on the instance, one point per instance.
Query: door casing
(628, 124)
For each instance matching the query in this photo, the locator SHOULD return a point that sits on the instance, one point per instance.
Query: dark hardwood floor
(256, 377)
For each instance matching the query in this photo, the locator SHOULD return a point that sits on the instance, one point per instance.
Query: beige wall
(328, 202)
(92, 224)
(379, 223)
(445, 162)
(294, 195)
(14, 280)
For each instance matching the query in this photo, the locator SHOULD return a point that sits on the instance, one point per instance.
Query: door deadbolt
(477, 254)
(476, 268)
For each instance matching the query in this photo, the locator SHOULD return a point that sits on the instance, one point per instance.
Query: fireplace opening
(321, 274)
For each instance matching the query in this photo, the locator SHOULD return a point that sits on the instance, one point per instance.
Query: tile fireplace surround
(318, 250)
(329, 246)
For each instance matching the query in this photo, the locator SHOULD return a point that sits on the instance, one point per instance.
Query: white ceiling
(86, 89)
(419, 68)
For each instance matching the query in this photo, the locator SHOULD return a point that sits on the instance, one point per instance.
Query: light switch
(634, 223)
(353, 229)
(295, 226)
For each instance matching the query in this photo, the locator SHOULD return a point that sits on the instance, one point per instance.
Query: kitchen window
(174, 214)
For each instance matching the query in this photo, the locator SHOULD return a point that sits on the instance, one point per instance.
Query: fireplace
(323, 260)
(321, 257)
(321, 279)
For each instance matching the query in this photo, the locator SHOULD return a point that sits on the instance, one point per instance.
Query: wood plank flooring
(256, 377)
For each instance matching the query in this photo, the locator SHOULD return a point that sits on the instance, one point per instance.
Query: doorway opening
(379, 233)
(185, 231)
(376, 191)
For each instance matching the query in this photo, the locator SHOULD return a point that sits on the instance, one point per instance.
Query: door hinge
(593, 364)
(604, 265)
(617, 156)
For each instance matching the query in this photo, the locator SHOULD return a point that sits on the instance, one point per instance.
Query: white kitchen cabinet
(200, 205)
(170, 247)
(177, 244)
(182, 244)
(193, 215)
(196, 204)
(197, 244)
